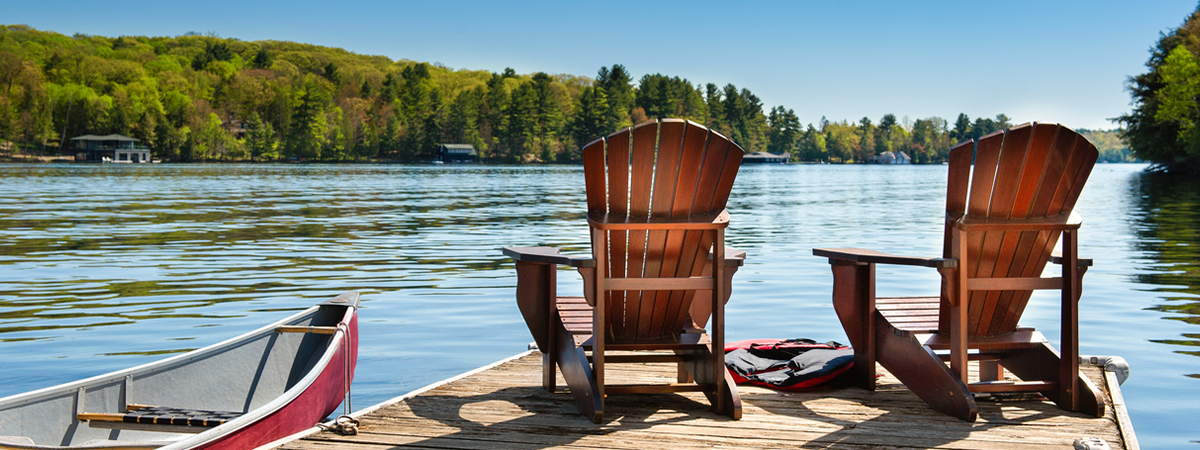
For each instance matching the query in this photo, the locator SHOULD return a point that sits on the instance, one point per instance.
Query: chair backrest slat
(1030, 171)
(641, 168)
(617, 164)
(665, 252)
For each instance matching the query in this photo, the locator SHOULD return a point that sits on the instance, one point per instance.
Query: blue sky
(1055, 61)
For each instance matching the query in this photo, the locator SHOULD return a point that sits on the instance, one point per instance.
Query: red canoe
(239, 394)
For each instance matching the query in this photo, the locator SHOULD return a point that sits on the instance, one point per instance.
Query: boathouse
(109, 148)
(891, 158)
(765, 158)
(457, 153)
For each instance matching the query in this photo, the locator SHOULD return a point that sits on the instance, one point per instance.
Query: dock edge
(370, 409)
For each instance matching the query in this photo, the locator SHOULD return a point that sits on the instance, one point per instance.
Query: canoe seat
(148, 417)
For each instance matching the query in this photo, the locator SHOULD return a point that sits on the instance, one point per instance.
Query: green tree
(962, 128)
(260, 139)
(744, 118)
(11, 65)
(840, 141)
(716, 109)
(866, 140)
(367, 144)
(812, 145)
(308, 125)
(930, 141)
(262, 59)
(493, 116)
(889, 132)
(618, 89)
(520, 133)
(211, 142)
(364, 89)
(331, 73)
(550, 119)
(661, 96)
(462, 121)
(784, 131)
(982, 127)
(420, 106)
(1003, 122)
(591, 115)
(390, 88)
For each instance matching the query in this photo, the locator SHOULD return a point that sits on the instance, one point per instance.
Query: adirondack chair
(1003, 220)
(656, 198)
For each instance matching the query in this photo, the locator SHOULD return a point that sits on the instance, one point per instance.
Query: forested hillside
(1111, 144)
(206, 98)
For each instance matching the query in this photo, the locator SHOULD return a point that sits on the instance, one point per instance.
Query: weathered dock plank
(505, 407)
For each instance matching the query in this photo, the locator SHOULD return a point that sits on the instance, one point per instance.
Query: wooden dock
(504, 406)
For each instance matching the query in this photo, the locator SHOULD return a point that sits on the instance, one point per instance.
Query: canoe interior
(238, 375)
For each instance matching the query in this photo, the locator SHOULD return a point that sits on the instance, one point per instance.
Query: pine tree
(784, 131)
(618, 88)
(591, 114)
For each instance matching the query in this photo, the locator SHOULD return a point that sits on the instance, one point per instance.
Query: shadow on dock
(505, 407)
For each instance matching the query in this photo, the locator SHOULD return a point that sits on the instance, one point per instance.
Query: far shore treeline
(206, 98)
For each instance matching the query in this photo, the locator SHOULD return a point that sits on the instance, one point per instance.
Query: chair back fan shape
(1009, 201)
(668, 171)
(1033, 172)
(658, 271)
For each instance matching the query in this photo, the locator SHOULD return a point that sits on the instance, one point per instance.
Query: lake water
(103, 267)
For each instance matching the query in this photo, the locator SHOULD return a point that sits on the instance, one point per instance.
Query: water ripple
(108, 266)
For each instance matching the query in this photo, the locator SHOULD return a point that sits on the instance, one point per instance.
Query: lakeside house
(109, 148)
(765, 158)
(236, 127)
(891, 158)
(457, 153)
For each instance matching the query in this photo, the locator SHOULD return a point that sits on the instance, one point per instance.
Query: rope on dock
(344, 424)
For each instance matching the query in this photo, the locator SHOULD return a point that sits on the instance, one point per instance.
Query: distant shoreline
(36, 160)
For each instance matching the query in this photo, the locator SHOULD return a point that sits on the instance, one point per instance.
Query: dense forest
(206, 98)
(1162, 128)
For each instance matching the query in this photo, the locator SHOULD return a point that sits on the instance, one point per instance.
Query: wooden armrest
(1065, 221)
(875, 257)
(733, 257)
(547, 255)
(622, 222)
(1057, 258)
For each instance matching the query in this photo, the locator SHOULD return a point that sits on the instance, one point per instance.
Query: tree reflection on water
(1165, 222)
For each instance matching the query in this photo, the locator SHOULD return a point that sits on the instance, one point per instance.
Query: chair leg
(576, 369)
(922, 371)
(681, 374)
(854, 303)
(990, 370)
(733, 400)
(1042, 364)
(862, 374)
(550, 355)
(700, 367)
(549, 368)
